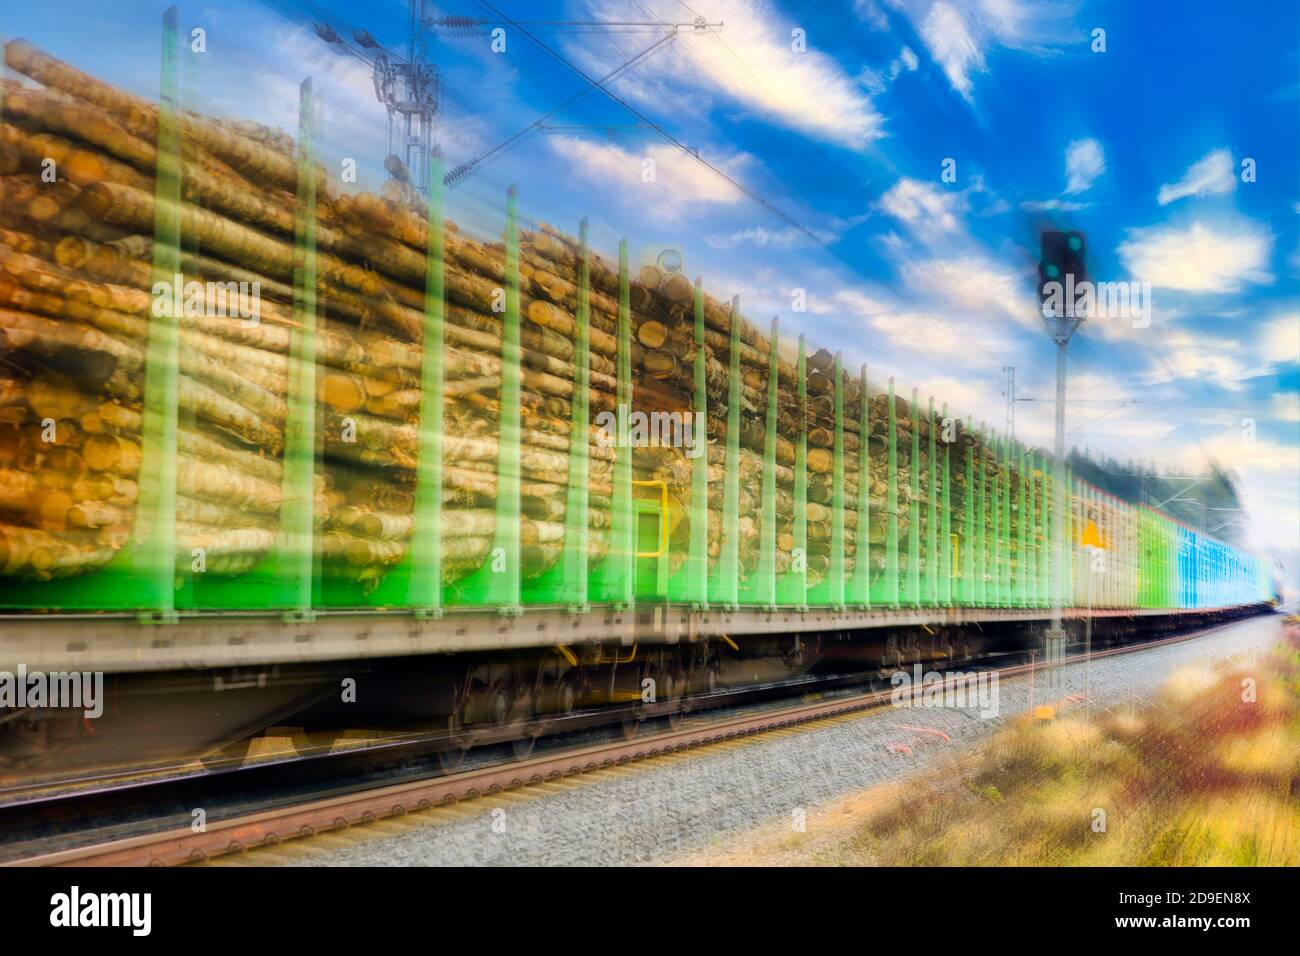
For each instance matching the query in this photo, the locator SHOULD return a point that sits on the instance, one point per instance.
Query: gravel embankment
(660, 809)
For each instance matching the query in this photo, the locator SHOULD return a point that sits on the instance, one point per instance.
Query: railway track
(339, 811)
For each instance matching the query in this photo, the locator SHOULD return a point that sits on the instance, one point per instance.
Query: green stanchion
(792, 588)
(1035, 522)
(1005, 540)
(932, 568)
(1022, 525)
(615, 579)
(760, 589)
(994, 525)
(1069, 536)
(891, 595)
(497, 582)
(913, 595)
(690, 585)
(1045, 572)
(982, 589)
(296, 556)
(836, 576)
(568, 582)
(416, 582)
(1004, 522)
(1049, 520)
(1008, 526)
(946, 571)
(830, 590)
(1161, 535)
(142, 575)
(970, 539)
(992, 521)
(1008, 530)
(155, 522)
(860, 584)
(724, 589)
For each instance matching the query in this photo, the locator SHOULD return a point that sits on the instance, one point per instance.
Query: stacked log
(77, 295)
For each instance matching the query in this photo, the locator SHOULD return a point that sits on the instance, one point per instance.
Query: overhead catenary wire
(744, 189)
(741, 187)
(464, 169)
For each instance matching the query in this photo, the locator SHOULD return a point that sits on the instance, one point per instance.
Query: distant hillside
(1201, 495)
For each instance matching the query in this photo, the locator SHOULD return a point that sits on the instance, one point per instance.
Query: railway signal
(1061, 268)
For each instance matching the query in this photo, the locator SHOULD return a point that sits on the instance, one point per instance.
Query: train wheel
(713, 677)
(673, 685)
(567, 696)
(527, 733)
(521, 712)
(452, 756)
(498, 705)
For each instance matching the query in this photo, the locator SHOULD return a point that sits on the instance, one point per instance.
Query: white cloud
(1279, 339)
(889, 323)
(878, 82)
(967, 397)
(1286, 406)
(1085, 160)
(892, 241)
(806, 91)
(871, 14)
(1189, 356)
(1198, 258)
(1260, 455)
(926, 208)
(921, 332)
(679, 179)
(960, 35)
(873, 80)
(976, 286)
(1212, 174)
(949, 40)
(1268, 472)
(852, 301)
(1053, 205)
(764, 238)
(786, 237)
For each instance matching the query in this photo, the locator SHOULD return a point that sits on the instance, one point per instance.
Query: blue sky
(1141, 146)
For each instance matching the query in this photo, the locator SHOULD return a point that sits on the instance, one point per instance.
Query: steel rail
(273, 827)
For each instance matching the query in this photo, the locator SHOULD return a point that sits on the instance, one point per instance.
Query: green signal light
(1051, 270)
(1075, 243)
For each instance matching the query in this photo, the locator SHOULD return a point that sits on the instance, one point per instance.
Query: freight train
(410, 442)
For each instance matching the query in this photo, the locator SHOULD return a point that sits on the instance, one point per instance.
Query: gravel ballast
(656, 810)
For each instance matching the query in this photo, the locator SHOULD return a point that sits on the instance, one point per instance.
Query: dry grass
(1200, 777)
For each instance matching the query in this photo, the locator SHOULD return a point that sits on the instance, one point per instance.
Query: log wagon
(250, 420)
